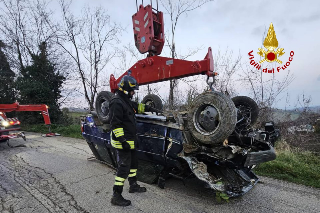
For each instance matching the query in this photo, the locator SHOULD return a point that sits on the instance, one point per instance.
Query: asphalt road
(54, 175)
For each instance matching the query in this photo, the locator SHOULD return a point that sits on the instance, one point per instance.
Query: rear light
(11, 122)
(18, 122)
(82, 128)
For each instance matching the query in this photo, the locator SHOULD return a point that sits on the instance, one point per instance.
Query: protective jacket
(123, 120)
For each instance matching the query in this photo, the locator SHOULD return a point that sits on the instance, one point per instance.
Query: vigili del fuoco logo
(271, 53)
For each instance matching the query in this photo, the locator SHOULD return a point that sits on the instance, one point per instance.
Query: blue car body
(163, 151)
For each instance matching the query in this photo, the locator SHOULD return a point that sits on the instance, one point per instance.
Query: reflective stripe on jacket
(117, 144)
(123, 120)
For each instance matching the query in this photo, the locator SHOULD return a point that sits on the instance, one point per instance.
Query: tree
(40, 83)
(23, 27)
(7, 92)
(227, 67)
(89, 42)
(175, 9)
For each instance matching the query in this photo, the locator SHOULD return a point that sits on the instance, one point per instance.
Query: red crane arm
(156, 69)
(16, 107)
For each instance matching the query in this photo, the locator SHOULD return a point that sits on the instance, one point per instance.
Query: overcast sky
(239, 26)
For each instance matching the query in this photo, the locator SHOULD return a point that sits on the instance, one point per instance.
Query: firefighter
(123, 137)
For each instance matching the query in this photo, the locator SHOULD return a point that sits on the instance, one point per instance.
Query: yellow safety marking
(120, 179)
(118, 130)
(132, 175)
(119, 183)
(119, 134)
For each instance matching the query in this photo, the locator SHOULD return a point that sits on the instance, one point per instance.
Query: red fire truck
(13, 124)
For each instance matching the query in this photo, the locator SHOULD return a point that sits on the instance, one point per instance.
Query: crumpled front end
(228, 169)
(233, 182)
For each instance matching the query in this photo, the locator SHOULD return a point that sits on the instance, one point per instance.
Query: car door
(151, 142)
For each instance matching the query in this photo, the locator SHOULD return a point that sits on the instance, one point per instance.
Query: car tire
(102, 106)
(153, 101)
(248, 103)
(225, 117)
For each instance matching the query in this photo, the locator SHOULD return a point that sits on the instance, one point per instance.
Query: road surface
(54, 175)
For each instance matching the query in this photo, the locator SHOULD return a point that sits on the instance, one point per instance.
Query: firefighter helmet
(128, 83)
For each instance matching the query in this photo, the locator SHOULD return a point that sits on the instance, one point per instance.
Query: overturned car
(212, 141)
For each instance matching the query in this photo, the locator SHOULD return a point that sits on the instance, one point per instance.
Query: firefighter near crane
(213, 140)
(123, 137)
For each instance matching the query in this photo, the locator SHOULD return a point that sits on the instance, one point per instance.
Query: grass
(293, 165)
(73, 130)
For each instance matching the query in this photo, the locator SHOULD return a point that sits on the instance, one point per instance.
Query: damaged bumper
(255, 158)
(234, 181)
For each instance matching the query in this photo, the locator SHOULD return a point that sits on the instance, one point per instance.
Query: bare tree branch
(175, 9)
(92, 38)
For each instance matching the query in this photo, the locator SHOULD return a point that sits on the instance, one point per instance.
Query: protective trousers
(127, 167)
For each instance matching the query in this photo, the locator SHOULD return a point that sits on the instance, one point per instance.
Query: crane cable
(151, 4)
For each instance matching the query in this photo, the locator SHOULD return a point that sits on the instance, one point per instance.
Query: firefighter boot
(134, 186)
(117, 198)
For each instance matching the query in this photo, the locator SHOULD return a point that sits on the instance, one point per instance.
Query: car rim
(105, 107)
(150, 103)
(206, 119)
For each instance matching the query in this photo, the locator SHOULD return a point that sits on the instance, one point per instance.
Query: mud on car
(213, 141)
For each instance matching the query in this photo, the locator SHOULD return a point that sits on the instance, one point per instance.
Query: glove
(157, 111)
(125, 144)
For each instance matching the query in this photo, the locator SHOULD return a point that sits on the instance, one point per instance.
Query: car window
(143, 128)
(152, 130)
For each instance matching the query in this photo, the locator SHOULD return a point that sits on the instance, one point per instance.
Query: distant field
(281, 115)
(75, 116)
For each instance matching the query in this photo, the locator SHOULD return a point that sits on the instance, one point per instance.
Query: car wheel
(153, 101)
(102, 106)
(247, 110)
(212, 118)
